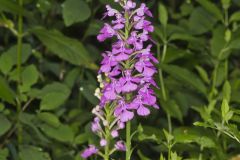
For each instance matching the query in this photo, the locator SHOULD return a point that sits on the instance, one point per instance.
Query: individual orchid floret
(103, 142)
(106, 32)
(120, 146)
(114, 133)
(91, 150)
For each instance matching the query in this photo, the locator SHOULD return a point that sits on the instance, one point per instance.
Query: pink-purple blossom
(91, 150)
(120, 146)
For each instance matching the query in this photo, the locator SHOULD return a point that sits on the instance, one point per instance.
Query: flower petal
(143, 111)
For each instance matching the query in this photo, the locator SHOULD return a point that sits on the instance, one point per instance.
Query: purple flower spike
(126, 74)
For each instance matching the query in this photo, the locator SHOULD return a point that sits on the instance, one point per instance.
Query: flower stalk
(128, 141)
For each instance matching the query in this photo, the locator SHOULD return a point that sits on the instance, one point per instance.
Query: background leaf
(66, 48)
(163, 15)
(53, 96)
(4, 124)
(6, 93)
(186, 76)
(75, 11)
(212, 8)
(33, 153)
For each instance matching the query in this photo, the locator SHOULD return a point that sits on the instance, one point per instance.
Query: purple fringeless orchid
(125, 76)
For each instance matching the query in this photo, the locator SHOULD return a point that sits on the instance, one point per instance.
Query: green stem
(200, 155)
(169, 123)
(107, 153)
(19, 62)
(128, 97)
(214, 81)
(169, 153)
(107, 133)
(164, 52)
(226, 21)
(128, 140)
(162, 85)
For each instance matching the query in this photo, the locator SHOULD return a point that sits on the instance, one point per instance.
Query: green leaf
(81, 138)
(227, 91)
(201, 124)
(29, 77)
(234, 44)
(161, 157)
(204, 112)
(53, 96)
(174, 156)
(201, 21)
(221, 73)
(4, 154)
(183, 36)
(203, 74)
(33, 153)
(226, 4)
(63, 133)
(226, 113)
(30, 121)
(10, 6)
(1, 107)
(174, 54)
(189, 135)
(75, 11)
(71, 77)
(235, 16)
(26, 52)
(185, 135)
(149, 133)
(44, 6)
(211, 8)
(163, 15)
(49, 118)
(64, 47)
(6, 92)
(168, 136)
(9, 58)
(173, 109)
(94, 28)
(185, 76)
(5, 125)
(142, 156)
(228, 35)
(88, 90)
(217, 42)
(6, 63)
(110, 2)
(206, 142)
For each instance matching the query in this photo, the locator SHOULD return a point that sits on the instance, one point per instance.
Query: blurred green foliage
(49, 58)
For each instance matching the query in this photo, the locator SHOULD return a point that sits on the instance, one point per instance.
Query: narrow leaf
(163, 15)
(185, 76)
(212, 8)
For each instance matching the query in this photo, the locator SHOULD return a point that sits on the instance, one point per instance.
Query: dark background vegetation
(49, 57)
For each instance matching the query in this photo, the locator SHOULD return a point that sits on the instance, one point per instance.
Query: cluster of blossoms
(126, 74)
